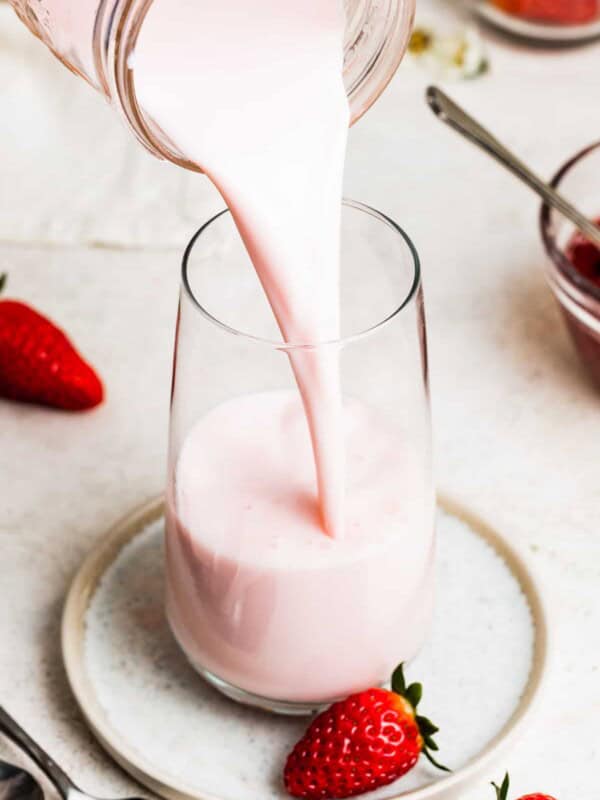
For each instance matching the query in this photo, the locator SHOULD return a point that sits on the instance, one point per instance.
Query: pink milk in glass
(257, 595)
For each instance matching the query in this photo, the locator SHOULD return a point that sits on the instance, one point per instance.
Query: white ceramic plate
(536, 31)
(482, 669)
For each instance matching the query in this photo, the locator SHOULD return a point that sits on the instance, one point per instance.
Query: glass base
(284, 707)
(256, 701)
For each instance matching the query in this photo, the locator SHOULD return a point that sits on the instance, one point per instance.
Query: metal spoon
(65, 786)
(454, 116)
(18, 784)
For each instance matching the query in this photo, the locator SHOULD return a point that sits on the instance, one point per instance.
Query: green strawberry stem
(502, 791)
(413, 694)
(3, 279)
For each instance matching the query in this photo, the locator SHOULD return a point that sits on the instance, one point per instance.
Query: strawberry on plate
(502, 792)
(38, 363)
(559, 12)
(359, 744)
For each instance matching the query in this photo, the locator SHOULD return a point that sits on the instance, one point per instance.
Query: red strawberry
(561, 12)
(38, 364)
(585, 256)
(502, 792)
(359, 744)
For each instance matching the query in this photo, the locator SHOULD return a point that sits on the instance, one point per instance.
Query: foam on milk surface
(256, 98)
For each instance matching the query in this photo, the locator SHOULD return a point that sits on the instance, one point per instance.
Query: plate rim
(525, 29)
(108, 547)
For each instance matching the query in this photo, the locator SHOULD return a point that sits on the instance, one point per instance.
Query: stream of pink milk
(255, 97)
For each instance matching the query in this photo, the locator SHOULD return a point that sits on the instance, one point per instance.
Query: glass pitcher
(95, 39)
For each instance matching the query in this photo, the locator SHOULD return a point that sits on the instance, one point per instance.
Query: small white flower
(452, 56)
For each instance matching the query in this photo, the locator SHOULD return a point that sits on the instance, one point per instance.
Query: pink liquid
(256, 594)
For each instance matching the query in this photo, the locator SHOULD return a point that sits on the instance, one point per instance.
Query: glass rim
(290, 346)
(553, 251)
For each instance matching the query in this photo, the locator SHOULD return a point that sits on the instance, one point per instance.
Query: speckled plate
(482, 669)
(536, 31)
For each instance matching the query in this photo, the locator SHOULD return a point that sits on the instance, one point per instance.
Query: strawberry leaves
(502, 791)
(413, 694)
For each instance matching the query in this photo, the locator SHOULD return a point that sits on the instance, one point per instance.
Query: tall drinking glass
(265, 605)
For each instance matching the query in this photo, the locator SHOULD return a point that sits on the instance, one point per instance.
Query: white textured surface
(517, 425)
(481, 646)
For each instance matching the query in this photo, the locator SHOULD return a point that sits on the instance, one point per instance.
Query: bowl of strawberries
(560, 21)
(573, 263)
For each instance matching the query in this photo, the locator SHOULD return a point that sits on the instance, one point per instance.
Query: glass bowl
(579, 298)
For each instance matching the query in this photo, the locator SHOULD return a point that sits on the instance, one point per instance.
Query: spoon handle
(14, 731)
(454, 116)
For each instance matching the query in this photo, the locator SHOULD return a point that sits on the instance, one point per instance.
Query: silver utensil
(17, 784)
(454, 116)
(65, 786)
